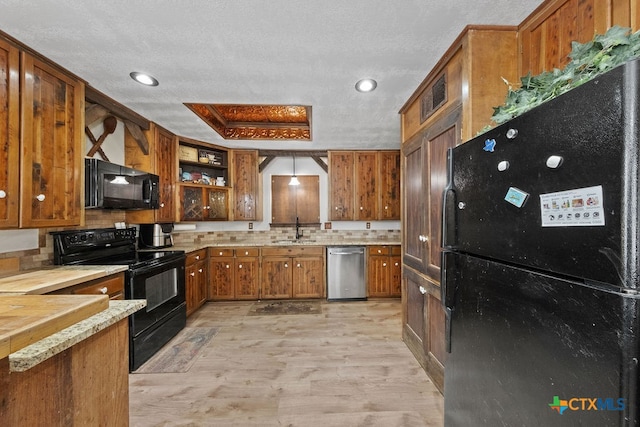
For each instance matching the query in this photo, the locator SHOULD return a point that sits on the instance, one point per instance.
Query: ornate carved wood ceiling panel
(267, 122)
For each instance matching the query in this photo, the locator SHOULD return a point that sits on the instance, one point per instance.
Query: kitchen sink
(293, 241)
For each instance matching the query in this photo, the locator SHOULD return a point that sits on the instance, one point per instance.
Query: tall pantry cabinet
(450, 106)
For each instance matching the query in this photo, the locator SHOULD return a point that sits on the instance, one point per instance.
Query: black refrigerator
(541, 264)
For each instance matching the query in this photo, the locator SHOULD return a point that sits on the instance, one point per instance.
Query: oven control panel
(106, 237)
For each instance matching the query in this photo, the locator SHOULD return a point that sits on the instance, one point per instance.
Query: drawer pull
(422, 290)
(199, 270)
(197, 257)
(104, 290)
(239, 265)
(193, 274)
(40, 197)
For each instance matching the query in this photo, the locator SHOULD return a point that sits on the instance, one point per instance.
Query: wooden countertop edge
(92, 272)
(56, 343)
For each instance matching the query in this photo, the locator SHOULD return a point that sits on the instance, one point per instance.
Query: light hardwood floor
(345, 367)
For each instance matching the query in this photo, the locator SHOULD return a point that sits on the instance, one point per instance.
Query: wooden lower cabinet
(85, 385)
(112, 285)
(384, 271)
(234, 273)
(423, 324)
(196, 280)
(293, 272)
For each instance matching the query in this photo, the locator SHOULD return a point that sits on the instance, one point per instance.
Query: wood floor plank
(344, 367)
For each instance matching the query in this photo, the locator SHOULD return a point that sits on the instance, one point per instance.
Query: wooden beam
(94, 96)
(269, 155)
(265, 162)
(93, 113)
(291, 153)
(321, 163)
(139, 136)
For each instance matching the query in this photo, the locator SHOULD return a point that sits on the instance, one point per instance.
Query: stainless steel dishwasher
(346, 273)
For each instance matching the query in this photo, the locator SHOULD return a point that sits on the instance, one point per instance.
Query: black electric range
(156, 276)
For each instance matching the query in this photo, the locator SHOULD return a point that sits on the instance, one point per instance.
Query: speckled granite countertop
(42, 350)
(302, 242)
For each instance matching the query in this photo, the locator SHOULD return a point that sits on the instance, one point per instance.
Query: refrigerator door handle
(449, 237)
(447, 293)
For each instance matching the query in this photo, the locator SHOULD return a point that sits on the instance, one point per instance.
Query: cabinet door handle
(192, 274)
(220, 253)
(227, 266)
(286, 265)
(396, 264)
(3, 194)
(422, 290)
(199, 270)
(384, 264)
(104, 290)
(162, 205)
(299, 265)
(40, 197)
(197, 257)
(361, 208)
(239, 265)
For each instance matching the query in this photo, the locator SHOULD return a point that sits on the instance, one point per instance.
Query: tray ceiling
(271, 122)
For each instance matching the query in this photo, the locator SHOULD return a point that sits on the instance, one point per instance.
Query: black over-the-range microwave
(111, 186)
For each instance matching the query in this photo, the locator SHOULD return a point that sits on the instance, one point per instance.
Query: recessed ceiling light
(143, 78)
(366, 85)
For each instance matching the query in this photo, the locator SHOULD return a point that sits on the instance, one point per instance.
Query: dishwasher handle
(347, 251)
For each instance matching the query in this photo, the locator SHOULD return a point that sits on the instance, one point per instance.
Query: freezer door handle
(447, 293)
(449, 238)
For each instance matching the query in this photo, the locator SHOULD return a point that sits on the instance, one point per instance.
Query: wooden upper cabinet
(341, 191)
(545, 36)
(166, 169)
(245, 183)
(52, 141)
(389, 185)
(160, 160)
(473, 71)
(366, 185)
(289, 202)
(9, 135)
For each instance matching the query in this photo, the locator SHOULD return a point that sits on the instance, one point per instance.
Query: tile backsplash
(43, 255)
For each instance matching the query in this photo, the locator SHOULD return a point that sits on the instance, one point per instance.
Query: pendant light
(294, 178)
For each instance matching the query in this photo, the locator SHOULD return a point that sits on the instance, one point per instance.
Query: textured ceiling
(257, 52)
